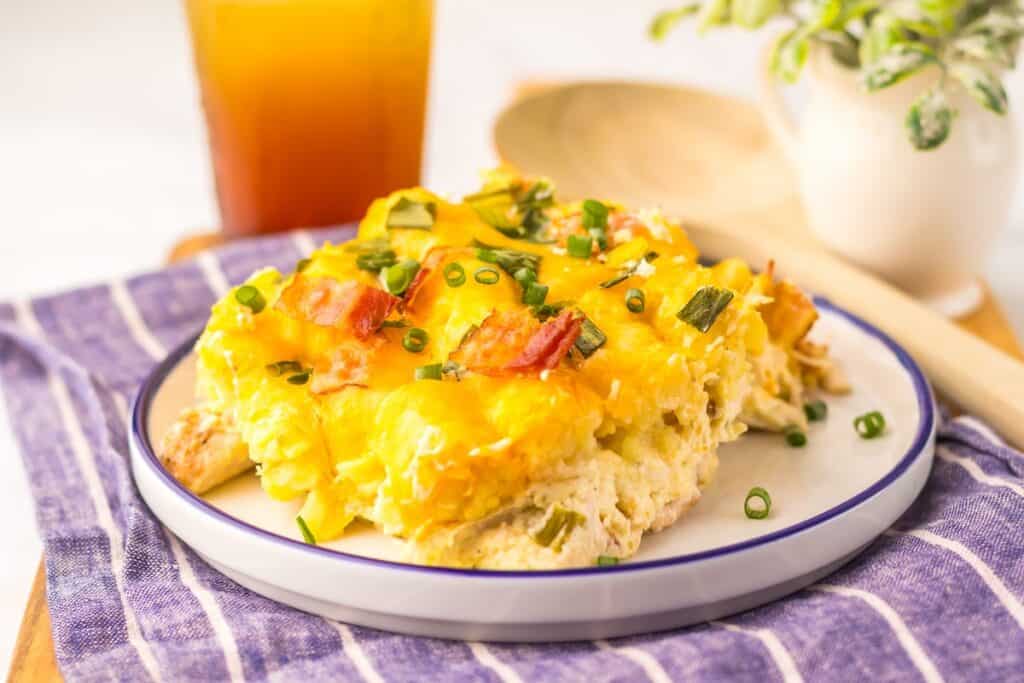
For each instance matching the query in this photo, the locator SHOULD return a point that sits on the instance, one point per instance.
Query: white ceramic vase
(923, 220)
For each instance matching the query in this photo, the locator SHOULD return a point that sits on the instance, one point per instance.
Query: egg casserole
(507, 382)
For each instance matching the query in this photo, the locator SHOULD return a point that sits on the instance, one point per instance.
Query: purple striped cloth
(937, 597)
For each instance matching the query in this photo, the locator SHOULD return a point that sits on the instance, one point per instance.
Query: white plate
(829, 500)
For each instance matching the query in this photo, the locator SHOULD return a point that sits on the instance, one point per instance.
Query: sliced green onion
(452, 369)
(300, 378)
(534, 294)
(307, 535)
(760, 511)
(546, 311)
(415, 340)
(432, 371)
(251, 298)
(375, 261)
(302, 264)
(486, 276)
(595, 214)
(606, 561)
(599, 235)
(398, 277)
(816, 411)
(870, 425)
(282, 367)
(454, 275)
(795, 437)
(635, 300)
(560, 520)
(579, 247)
(509, 260)
(621, 277)
(394, 323)
(525, 276)
(410, 214)
(591, 338)
(705, 306)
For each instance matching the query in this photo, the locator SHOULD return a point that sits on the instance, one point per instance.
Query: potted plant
(906, 159)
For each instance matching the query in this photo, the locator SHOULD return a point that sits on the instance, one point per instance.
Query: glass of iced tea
(313, 107)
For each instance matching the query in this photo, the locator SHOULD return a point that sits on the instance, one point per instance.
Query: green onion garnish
(795, 437)
(599, 235)
(251, 298)
(300, 378)
(454, 275)
(815, 410)
(415, 340)
(302, 264)
(509, 260)
(870, 425)
(307, 535)
(545, 311)
(595, 214)
(398, 277)
(579, 247)
(486, 275)
(627, 273)
(559, 521)
(452, 369)
(635, 300)
(606, 561)
(621, 277)
(375, 261)
(758, 512)
(513, 212)
(284, 366)
(705, 306)
(432, 371)
(591, 338)
(534, 294)
(410, 214)
(525, 276)
(394, 323)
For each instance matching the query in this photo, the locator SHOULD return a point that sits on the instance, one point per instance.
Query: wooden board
(756, 191)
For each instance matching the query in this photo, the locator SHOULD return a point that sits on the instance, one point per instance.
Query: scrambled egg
(422, 378)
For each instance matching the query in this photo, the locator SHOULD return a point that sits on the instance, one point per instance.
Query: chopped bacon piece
(430, 264)
(501, 337)
(549, 345)
(513, 341)
(326, 302)
(790, 314)
(347, 365)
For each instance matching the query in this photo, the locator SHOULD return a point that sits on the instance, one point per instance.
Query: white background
(103, 159)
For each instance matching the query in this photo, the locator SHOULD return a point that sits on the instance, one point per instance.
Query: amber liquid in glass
(313, 107)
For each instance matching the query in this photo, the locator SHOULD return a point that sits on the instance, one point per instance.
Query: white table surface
(103, 158)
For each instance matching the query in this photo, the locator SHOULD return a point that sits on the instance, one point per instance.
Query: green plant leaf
(929, 120)
(665, 21)
(985, 48)
(942, 13)
(856, 10)
(982, 85)
(824, 14)
(752, 14)
(842, 45)
(899, 61)
(879, 37)
(789, 54)
(712, 13)
(997, 24)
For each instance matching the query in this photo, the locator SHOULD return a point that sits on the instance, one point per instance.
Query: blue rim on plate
(925, 402)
